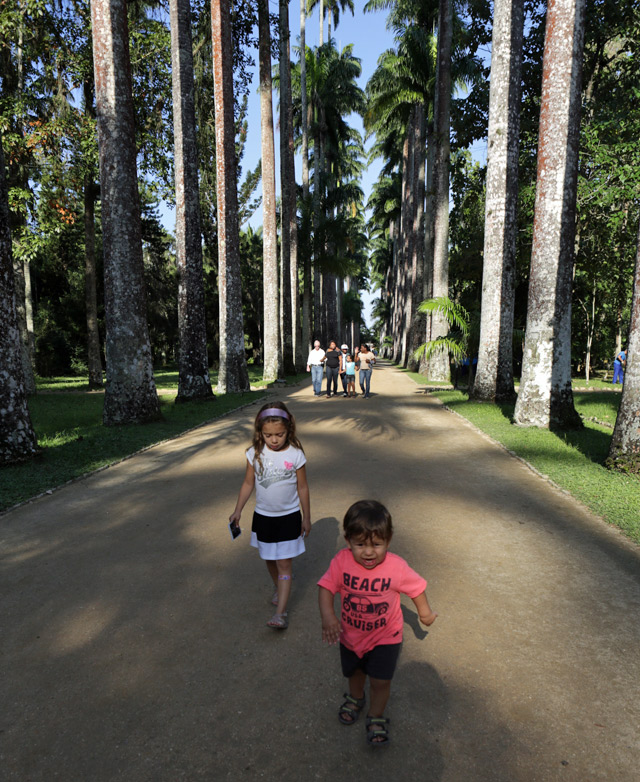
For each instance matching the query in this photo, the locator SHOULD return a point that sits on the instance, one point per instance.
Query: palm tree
(90, 192)
(624, 453)
(130, 395)
(193, 380)
(494, 379)
(233, 374)
(438, 366)
(307, 270)
(272, 352)
(545, 398)
(288, 222)
(17, 438)
(332, 94)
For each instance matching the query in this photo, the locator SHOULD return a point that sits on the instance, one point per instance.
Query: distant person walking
(333, 360)
(618, 367)
(350, 375)
(315, 361)
(366, 360)
(344, 349)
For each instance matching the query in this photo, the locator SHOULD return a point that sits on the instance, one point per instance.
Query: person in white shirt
(315, 361)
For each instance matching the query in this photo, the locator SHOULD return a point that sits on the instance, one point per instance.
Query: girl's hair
(289, 422)
(366, 519)
(349, 357)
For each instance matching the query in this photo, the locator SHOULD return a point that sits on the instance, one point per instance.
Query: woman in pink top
(370, 580)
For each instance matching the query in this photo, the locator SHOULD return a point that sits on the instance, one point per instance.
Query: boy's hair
(367, 518)
(289, 423)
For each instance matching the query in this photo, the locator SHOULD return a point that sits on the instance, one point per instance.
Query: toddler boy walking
(370, 580)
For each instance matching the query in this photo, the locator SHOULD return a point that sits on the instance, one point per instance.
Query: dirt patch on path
(133, 630)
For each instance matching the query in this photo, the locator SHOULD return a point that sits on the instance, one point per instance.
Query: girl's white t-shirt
(276, 480)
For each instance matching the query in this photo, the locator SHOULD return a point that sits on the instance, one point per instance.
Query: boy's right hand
(331, 630)
(235, 517)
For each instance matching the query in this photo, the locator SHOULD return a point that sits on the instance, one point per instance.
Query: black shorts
(379, 663)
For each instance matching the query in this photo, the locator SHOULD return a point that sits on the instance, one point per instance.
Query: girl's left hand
(306, 528)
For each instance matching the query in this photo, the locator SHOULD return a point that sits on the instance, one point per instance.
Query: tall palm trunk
(22, 269)
(233, 374)
(272, 354)
(439, 363)
(624, 451)
(494, 378)
(17, 438)
(194, 382)
(307, 315)
(429, 218)
(94, 360)
(410, 237)
(130, 394)
(288, 230)
(416, 330)
(545, 398)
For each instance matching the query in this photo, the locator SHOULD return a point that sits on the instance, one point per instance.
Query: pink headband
(275, 411)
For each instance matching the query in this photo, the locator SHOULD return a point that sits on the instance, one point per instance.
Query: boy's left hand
(428, 619)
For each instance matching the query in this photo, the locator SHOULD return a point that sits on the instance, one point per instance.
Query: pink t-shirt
(370, 612)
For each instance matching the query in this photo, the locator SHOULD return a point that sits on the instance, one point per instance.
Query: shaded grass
(573, 460)
(68, 425)
(74, 441)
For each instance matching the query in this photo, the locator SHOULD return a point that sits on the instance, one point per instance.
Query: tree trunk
(272, 355)
(624, 453)
(233, 375)
(545, 398)
(408, 237)
(94, 356)
(20, 303)
(416, 328)
(494, 378)
(439, 363)
(288, 232)
(307, 310)
(17, 438)
(130, 395)
(429, 219)
(94, 359)
(194, 381)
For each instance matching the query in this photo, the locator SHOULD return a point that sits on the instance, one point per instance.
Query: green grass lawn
(74, 441)
(572, 460)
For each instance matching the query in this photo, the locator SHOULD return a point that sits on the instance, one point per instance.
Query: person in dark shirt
(333, 362)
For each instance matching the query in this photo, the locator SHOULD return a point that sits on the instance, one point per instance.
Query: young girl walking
(276, 466)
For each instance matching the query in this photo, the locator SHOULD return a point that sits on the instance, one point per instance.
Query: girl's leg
(273, 571)
(283, 583)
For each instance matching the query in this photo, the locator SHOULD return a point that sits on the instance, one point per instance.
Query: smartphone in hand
(234, 529)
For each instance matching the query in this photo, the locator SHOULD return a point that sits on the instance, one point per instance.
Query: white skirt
(284, 549)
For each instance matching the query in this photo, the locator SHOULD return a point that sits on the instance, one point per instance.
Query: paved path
(133, 638)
